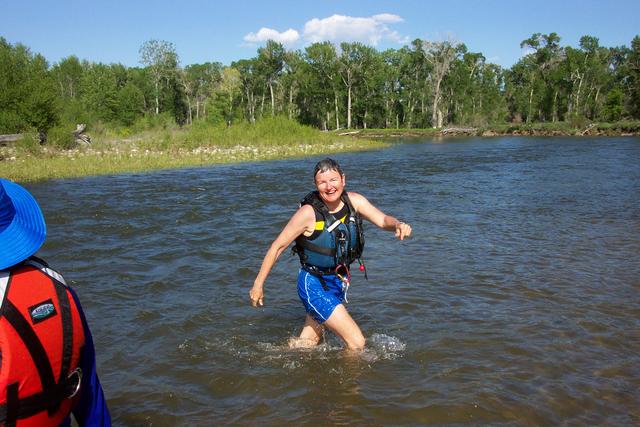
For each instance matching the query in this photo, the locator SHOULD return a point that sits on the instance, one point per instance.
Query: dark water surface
(517, 302)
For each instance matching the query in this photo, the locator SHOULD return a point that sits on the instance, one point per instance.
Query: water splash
(383, 347)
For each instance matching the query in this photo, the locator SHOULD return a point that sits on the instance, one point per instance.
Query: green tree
(613, 105)
(390, 86)
(28, 97)
(633, 70)
(540, 66)
(414, 88)
(99, 88)
(252, 83)
(322, 85)
(198, 83)
(270, 63)
(130, 104)
(350, 65)
(290, 80)
(161, 59)
(440, 56)
(229, 91)
(369, 93)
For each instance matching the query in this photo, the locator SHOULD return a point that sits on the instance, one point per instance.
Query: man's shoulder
(356, 198)
(43, 266)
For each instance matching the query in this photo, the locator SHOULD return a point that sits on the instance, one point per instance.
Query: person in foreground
(48, 367)
(327, 229)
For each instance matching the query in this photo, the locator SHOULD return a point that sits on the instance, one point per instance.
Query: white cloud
(387, 17)
(338, 28)
(287, 37)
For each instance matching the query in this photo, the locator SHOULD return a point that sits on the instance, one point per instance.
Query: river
(515, 302)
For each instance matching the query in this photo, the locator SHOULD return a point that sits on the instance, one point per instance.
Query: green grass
(198, 145)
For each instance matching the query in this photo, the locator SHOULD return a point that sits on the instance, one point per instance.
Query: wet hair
(327, 165)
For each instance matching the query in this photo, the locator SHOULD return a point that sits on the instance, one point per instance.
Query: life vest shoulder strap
(41, 265)
(313, 199)
(35, 262)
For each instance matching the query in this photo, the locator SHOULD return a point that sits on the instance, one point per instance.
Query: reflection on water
(516, 302)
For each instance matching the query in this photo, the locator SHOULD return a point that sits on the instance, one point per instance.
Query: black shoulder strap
(347, 201)
(313, 199)
(33, 344)
(38, 260)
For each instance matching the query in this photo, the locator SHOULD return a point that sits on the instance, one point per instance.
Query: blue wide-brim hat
(22, 226)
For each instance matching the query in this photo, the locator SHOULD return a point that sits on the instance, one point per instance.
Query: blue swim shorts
(318, 301)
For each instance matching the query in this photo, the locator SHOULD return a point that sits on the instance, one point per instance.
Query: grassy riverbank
(198, 145)
(170, 147)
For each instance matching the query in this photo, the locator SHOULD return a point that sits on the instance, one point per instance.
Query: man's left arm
(91, 409)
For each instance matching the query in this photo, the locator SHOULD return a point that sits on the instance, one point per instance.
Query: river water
(516, 302)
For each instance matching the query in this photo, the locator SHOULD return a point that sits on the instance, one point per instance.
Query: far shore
(521, 129)
(170, 151)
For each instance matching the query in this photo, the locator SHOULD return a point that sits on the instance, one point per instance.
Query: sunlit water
(516, 302)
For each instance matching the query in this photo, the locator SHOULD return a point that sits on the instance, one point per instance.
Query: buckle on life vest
(73, 382)
(342, 271)
(345, 277)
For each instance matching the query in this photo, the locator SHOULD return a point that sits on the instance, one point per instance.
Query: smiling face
(330, 185)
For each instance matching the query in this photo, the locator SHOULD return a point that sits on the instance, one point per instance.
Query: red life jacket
(41, 339)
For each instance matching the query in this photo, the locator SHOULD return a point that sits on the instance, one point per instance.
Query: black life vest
(338, 244)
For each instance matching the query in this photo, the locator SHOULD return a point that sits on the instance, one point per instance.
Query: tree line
(424, 84)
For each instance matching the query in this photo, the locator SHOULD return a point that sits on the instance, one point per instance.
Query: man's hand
(257, 296)
(403, 230)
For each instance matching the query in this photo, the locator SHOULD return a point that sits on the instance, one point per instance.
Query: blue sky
(225, 31)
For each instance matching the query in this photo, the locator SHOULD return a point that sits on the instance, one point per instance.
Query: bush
(578, 122)
(29, 144)
(61, 137)
(153, 122)
(613, 105)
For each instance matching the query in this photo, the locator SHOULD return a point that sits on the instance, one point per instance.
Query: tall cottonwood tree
(161, 60)
(252, 86)
(290, 80)
(633, 69)
(198, 82)
(414, 87)
(269, 64)
(540, 65)
(440, 55)
(350, 64)
(229, 89)
(323, 82)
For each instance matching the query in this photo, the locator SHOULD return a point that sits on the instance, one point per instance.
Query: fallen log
(591, 126)
(456, 131)
(81, 138)
(10, 138)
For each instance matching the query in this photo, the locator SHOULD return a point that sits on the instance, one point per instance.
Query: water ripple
(515, 303)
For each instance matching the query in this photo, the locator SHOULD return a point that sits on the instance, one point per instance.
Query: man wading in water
(328, 234)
